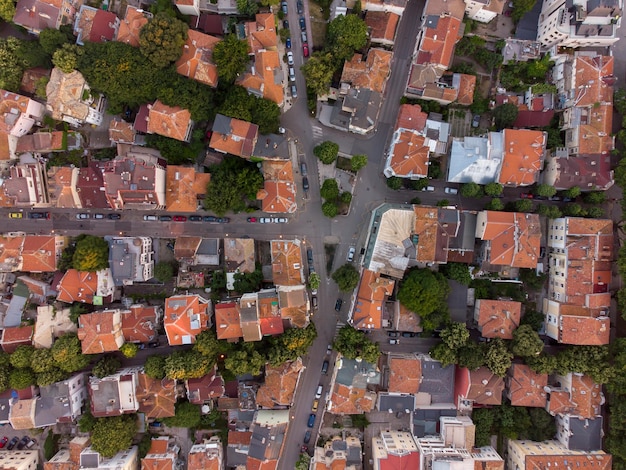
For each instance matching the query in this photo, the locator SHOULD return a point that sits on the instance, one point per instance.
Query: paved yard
(460, 122)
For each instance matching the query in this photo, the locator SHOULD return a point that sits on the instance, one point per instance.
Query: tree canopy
(293, 343)
(497, 357)
(327, 152)
(22, 356)
(112, 435)
(187, 415)
(155, 367)
(230, 57)
(232, 183)
(346, 277)
(240, 104)
(92, 254)
(505, 115)
(163, 271)
(545, 190)
(68, 354)
(526, 342)
(424, 292)
(162, 39)
(246, 360)
(318, 72)
(188, 364)
(329, 189)
(358, 161)
(346, 34)
(471, 190)
(106, 366)
(353, 343)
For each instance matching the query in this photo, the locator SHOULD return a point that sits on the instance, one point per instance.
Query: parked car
(392, 334)
(476, 120)
(394, 341)
(83, 215)
(195, 218)
(294, 91)
(302, 24)
(303, 169)
(150, 217)
(314, 302)
(318, 392)
(451, 191)
(209, 218)
(280, 220)
(223, 220)
(325, 367)
(39, 215)
(12, 443)
(115, 216)
(309, 255)
(98, 216)
(303, 37)
(3, 442)
(300, 7)
(351, 252)
(288, 43)
(315, 405)
(311, 422)
(265, 220)
(31, 443)
(283, 6)
(292, 74)
(23, 442)
(304, 449)
(305, 183)
(290, 58)
(180, 218)
(408, 334)
(526, 196)
(286, 24)
(329, 349)
(307, 437)
(252, 219)
(15, 215)
(428, 188)
(305, 50)
(165, 218)
(338, 304)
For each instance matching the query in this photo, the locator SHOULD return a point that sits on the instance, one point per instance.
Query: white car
(83, 215)
(394, 341)
(265, 220)
(351, 252)
(429, 188)
(279, 220)
(451, 191)
(150, 217)
(290, 58)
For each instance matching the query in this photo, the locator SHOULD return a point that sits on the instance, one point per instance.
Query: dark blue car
(302, 23)
(288, 43)
(311, 420)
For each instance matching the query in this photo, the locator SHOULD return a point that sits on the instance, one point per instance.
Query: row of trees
(354, 344)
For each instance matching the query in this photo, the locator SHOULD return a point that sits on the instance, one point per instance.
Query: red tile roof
(405, 374)
(481, 386)
(523, 155)
(280, 385)
(156, 398)
(169, 121)
(568, 460)
(131, 25)
(526, 387)
(368, 308)
(262, 80)
(382, 25)
(239, 141)
(185, 317)
(100, 332)
(371, 73)
(278, 195)
(139, 323)
(204, 389)
(16, 336)
(183, 186)
(228, 321)
(39, 253)
(584, 330)
(498, 318)
(593, 79)
(586, 395)
(286, 263)
(437, 45)
(196, 61)
(76, 286)
(261, 34)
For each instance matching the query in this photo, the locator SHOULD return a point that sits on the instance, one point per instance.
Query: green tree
(521, 7)
(471, 356)
(52, 39)
(42, 361)
(187, 415)
(7, 10)
(248, 282)
(497, 357)
(314, 281)
(11, 65)
(50, 376)
(505, 115)
(346, 197)
(595, 212)
(330, 209)
(21, 358)
(329, 190)
(471, 190)
(551, 212)
(533, 318)
(76, 310)
(573, 210)
(266, 114)
(92, 254)
(66, 58)
(346, 34)
(358, 162)
(209, 346)
(86, 422)
(163, 271)
(493, 189)
(483, 419)
(419, 184)
(543, 427)
(424, 292)
(545, 190)
(67, 353)
(526, 342)
(155, 367)
(346, 277)
(40, 88)
(22, 378)
(106, 366)
(523, 205)
(162, 39)
(459, 272)
(542, 364)
(495, 204)
(293, 343)
(112, 435)
(129, 350)
(245, 361)
(327, 152)
(247, 7)
(595, 197)
(572, 192)
(318, 72)
(230, 57)
(443, 354)
(619, 100)
(353, 343)
(455, 336)
(232, 182)
(189, 364)
(395, 183)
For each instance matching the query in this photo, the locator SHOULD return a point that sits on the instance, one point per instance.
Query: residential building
(71, 100)
(520, 50)
(130, 26)
(228, 321)
(338, 453)
(239, 255)
(261, 33)
(41, 253)
(279, 388)
(94, 288)
(162, 455)
(579, 434)
(382, 26)
(484, 10)
(10, 256)
(115, 394)
(51, 324)
(525, 387)
(186, 316)
(19, 459)
(428, 82)
(89, 187)
(205, 390)
(81, 455)
(206, 455)
(122, 132)
(511, 239)
(237, 448)
(62, 187)
(287, 264)
(234, 136)
(22, 411)
(579, 23)
(477, 387)
(173, 122)
(372, 293)
(48, 142)
(405, 373)
(553, 454)
(184, 187)
(522, 158)
(580, 256)
(278, 195)
(409, 151)
(393, 6)
(12, 337)
(194, 7)
(130, 259)
(18, 115)
(352, 387)
(268, 312)
(394, 449)
(193, 251)
(37, 15)
(196, 61)
(475, 159)
(61, 402)
(140, 323)
(266, 442)
(38, 291)
(265, 78)
(100, 332)
(576, 395)
(95, 25)
(497, 318)
(589, 172)
(294, 305)
(533, 109)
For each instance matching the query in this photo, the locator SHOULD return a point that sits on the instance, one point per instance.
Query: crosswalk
(318, 134)
(339, 325)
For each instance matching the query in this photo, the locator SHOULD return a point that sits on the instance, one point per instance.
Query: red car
(251, 219)
(305, 50)
(3, 442)
(526, 196)
(179, 218)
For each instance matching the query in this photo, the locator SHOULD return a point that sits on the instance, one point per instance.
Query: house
(71, 100)
(25, 186)
(37, 15)
(228, 321)
(265, 77)
(287, 265)
(266, 443)
(511, 239)
(196, 61)
(130, 259)
(475, 159)
(209, 23)
(525, 387)
(11, 254)
(497, 318)
(18, 114)
(234, 136)
(272, 147)
(184, 187)
(156, 398)
(135, 180)
(294, 305)
(114, 394)
(371, 73)
(130, 27)
(261, 33)
(592, 24)
(13, 337)
(409, 151)
(280, 384)
(51, 324)
(19, 459)
(350, 391)
(338, 453)
(122, 132)
(484, 10)
(428, 82)
(439, 35)
(62, 189)
(520, 50)
(589, 172)
(22, 413)
(49, 142)
(194, 7)
(40, 253)
(238, 447)
(278, 195)
(197, 251)
(88, 187)
(394, 449)
(94, 288)
(206, 389)
(61, 402)
(553, 454)
(438, 234)
(140, 323)
(185, 317)
(523, 155)
(533, 109)
(101, 331)
(239, 255)
(382, 26)
(405, 373)
(393, 6)
(580, 256)
(372, 293)
(206, 455)
(576, 395)
(173, 122)
(81, 455)
(95, 25)
(477, 387)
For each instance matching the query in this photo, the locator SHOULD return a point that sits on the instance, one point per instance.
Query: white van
(318, 394)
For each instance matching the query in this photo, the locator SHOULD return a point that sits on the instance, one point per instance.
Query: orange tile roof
(405, 374)
(371, 74)
(263, 79)
(498, 318)
(256, 464)
(39, 254)
(437, 45)
(514, 238)
(466, 90)
(169, 121)
(261, 34)
(139, 323)
(593, 134)
(523, 154)
(409, 154)
(121, 132)
(270, 319)
(10, 253)
(350, 400)
(131, 25)
(156, 398)
(61, 187)
(228, 321)
(589, 74)
(585, 460)
(76, 286)
(203, 461)
(435, 230)
(584, 330)
(13, 337)
(368, 308)
(11, 106)
(183, 185)
(382, 25)
(286, 263)
(406, 320)
(185, 317)
(157, 461)
(196, 61)
(278, 195)
(240, 141)
(280, 384)
(411, 116)
(100, 332)
(239, 437)
(485, 387)
(526, 387)
(586, 395)
(559, 402)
